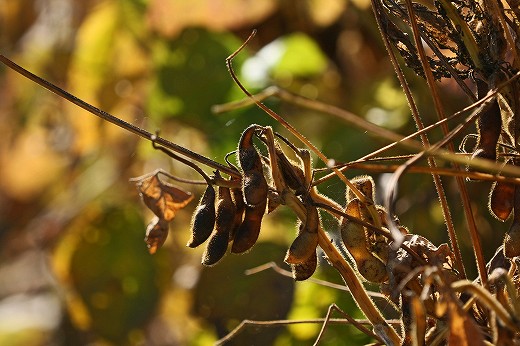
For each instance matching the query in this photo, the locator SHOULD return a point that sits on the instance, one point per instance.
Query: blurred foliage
(72, 226)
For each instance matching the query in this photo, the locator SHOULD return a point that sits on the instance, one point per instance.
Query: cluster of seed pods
(230, 212)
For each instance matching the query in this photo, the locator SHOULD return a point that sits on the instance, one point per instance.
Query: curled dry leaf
(156, 234)
(162, 198)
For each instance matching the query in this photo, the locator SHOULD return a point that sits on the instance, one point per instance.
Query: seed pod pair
(225, 217)
(355, 239)
(203, 219)
(306, 241)
(254, 184)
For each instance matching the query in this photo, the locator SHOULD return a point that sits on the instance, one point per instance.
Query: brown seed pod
(512, 237)
(365, 184)
(372, 269)
(248, 231)
(216, 248)
(240, 207)
(307, 240)
(291, 171)
(254, 188)
(254, 185)
(225, 211)
(489, 126)
(304, 270)
(501, 200)
(156, 234)
(354, 238)
(203, 219)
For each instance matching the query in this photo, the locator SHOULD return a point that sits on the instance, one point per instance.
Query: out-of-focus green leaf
(302, 58)
(117, 280)
(191, 76)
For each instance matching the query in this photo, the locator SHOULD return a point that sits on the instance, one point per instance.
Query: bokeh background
(74, 269)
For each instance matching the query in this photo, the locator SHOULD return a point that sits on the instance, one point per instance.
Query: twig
(117, 121)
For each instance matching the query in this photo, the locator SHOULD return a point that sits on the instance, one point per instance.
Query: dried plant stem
(119, 122)
(382, 133)
(424, 139)
(349, 276)
(359, 326)
(380, 168)
(466, 202)
(273, 323)
(487, 299)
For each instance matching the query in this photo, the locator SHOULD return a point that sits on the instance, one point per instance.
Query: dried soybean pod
(219, 239)
(203, 219)
(501, 200)
(373, 269)
(240, 207)
(254, 185)
(248, 231)
(307, 240)
(363, 183)
(489, 126)
(353, 234)
(225, 211)
(216, 248)
(512, 237)
(304, 270)
(292, 173)
(354, 238)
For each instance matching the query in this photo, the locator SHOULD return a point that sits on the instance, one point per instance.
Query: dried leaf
(463, 329)
(162, 198)
(156, 234)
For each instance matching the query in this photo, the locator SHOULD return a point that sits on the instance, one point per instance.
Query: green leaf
(302, 57)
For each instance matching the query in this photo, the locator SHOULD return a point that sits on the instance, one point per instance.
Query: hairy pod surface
(372, 269)
(489, 126)
(248, 231)
(292, 173)
(254, 184)
(501, 200)
(203, 219)
(365, 184)
(215, 248)
(254, 187)
(156, 234)
(225, 211)
(303, 271)
(240, 207)
(355, 240)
